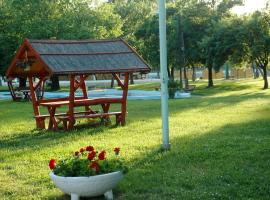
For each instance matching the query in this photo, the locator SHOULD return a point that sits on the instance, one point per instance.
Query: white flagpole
(164, 74)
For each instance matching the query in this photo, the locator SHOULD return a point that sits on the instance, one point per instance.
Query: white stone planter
(88, 186)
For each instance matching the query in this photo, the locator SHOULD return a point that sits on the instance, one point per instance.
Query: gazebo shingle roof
(87, 56)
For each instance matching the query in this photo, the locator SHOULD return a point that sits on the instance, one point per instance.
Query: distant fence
(202, 73)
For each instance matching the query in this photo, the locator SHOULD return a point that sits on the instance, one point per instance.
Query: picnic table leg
(65, 125)
(105, 108)
(71, 122)
(52, 121)
(41, 123)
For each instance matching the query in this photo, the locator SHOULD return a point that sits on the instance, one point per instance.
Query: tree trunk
(265, 77)
(185, 77)
(112, 82)
(193, 74)
(55, 83)
(210, 77)
(131, 79)
(22, 82)
(181, 77)
(168, 70)
(227, 74)
(172, 73)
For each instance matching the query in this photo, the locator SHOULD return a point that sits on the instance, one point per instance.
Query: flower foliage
(88, 162)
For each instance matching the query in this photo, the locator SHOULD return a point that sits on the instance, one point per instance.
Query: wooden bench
(190, 88)
(63, 117)
(103, 116)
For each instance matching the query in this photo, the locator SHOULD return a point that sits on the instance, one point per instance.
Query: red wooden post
(71, 102)
(84, 90)
(40, 123)
(124, 100)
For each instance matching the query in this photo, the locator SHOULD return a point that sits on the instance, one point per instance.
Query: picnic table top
(82, 102)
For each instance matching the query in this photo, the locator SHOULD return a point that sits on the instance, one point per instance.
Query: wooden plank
(90, 115)
(65, 114)
(58, 99)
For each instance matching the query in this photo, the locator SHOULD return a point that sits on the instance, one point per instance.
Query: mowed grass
(220, 147)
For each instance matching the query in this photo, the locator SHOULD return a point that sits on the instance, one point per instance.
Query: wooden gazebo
(77, 59)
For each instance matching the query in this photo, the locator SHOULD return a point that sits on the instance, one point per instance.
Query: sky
(250, 6)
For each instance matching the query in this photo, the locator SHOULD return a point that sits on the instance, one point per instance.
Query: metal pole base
(165, 147)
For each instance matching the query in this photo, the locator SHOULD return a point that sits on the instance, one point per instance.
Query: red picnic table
(68, 118)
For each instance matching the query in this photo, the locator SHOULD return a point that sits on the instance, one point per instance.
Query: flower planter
(88, 186)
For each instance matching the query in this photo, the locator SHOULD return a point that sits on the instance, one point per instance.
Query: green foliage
(79, 164)
(173, 86)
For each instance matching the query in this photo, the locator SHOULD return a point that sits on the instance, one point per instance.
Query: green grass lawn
(220, 147)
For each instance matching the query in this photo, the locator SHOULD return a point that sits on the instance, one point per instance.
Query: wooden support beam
(124, 100)
(40, 86)
(12, 91)
(119, 82)
(84, 90)
(80, 83)
(71, 102)
(40, 123)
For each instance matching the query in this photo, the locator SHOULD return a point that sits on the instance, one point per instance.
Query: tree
(211, 59)
(255, 41)
(46, 19)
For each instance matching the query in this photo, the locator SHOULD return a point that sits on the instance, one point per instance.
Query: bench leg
(117, 119)
(123, 119)
(106, 121)
(71, 123)
(40, 123)
(65, 125)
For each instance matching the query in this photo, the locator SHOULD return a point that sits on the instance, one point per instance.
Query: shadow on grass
(231, 162)
(37, 138)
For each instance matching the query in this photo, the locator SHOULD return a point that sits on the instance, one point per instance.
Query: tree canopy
(200, 32)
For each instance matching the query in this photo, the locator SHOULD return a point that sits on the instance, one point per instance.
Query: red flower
(91, 155)
(77, 153)
(90, 148)
(82, 150)
(52, 164)
(101, 156)
(94, 166)
(116, 150)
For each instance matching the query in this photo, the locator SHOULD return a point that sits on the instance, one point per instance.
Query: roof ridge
(48, 41)
(85, 54)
